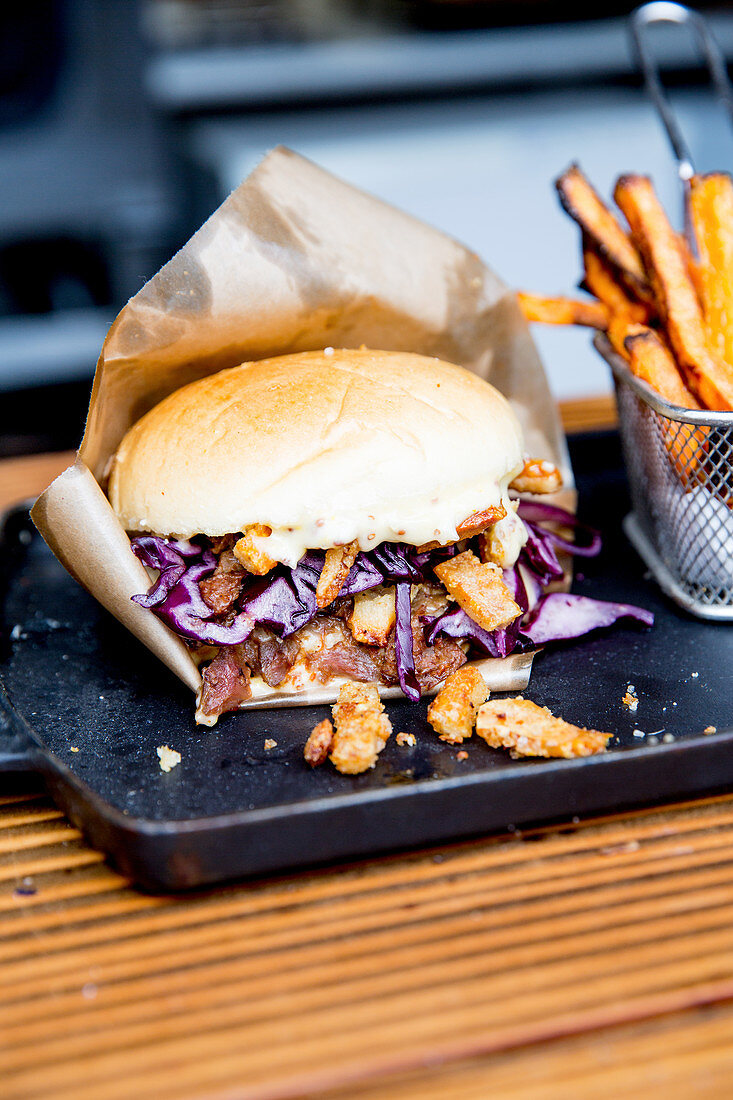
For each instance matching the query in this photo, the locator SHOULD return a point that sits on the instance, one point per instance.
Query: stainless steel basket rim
(619, 366)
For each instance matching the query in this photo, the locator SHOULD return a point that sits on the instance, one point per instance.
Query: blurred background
(123, 123)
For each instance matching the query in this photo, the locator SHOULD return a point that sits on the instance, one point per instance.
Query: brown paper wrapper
(294, 260)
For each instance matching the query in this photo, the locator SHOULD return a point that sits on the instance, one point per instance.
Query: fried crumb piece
(319, 743)
(403, 739)
(478, 587)
(479, 521)
(362, 728)
(710, 729)
(537, 476)
(248, 553)
(169, 758)
(73, 748)
(462, 755)
(452, 713)
(270, 744)
(631, 699)
(529, 730)
(335, 570)
(373, 616)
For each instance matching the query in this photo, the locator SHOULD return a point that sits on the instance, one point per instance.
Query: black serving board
(86, 705)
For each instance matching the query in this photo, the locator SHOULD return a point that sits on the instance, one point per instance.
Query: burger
(334, 515)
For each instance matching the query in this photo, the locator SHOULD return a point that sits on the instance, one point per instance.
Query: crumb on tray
(403, 739)
(270, 744)
(631, 699)
(169, 758)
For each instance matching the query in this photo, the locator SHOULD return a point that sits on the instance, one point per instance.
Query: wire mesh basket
(679, 464)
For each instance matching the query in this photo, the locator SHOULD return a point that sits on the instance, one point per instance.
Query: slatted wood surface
(495, 968)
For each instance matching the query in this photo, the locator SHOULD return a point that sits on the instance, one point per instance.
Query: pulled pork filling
(338, 614)
(323, 649)
(397, 614)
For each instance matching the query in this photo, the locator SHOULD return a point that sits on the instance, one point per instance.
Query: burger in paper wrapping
(311, 510)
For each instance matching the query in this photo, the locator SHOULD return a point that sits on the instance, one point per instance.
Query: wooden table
(589, 960)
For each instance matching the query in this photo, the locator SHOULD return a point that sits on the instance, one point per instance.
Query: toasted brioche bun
(323, 447)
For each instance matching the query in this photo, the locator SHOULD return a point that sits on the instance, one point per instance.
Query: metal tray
(85, 705)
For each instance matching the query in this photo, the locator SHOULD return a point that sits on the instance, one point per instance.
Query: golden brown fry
(319, 743)
(362, 728)
(711, 208)
(537, 476)
(652, 361)
(479, 589)
(581, 201)
(709, 378)
(562, 311)
(452, 713)
(373, 616)
(529, 730)
(249, 555)
(601, 281)
(479, 521)
(620, 327)
(335, 570)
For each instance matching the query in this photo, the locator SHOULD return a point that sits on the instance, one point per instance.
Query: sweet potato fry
(529, 730)
(711, 208)
(479, 589)
(339, 561)
(452, 713)
(581, 201)
(601, 280)
(709, 377)
(537, 476)
(373, 616)
(249, 554)
(619, 328)
(651, 360)
(362, 728)
(563, 311)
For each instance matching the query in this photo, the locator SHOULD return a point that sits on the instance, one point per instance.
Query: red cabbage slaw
(285, 600)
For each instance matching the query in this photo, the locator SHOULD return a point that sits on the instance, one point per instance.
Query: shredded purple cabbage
(404, 654)
(285, 600)
(535, 511)
(560, 615)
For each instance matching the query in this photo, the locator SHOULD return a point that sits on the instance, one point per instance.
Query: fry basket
(679, 464)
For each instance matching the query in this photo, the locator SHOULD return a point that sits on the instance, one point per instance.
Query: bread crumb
(406, 739)
(270, 744)
(168, 758)
(694, 675)
(73, 748)
(631, 699)
(710, 729)
(462, 755)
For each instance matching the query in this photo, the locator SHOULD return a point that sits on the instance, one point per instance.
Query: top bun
(325, 447)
